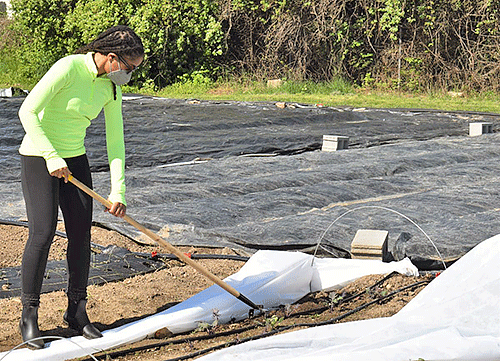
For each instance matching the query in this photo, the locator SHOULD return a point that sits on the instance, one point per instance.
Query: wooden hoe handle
(167, 245)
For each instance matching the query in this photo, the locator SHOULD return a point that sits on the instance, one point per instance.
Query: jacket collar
(89, 62)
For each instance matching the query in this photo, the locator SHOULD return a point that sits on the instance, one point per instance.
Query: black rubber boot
(76, 317)
(29, 327)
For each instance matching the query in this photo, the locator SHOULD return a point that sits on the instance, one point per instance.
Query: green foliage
(180, 37)
(8, 64)
(89, 18)
(387, 44)
(190, 84)
(42, 40)
(273, 322)
(210, 328)
(392, 15)
(335, 299)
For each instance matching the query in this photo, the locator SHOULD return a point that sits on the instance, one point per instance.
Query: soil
(117, 303)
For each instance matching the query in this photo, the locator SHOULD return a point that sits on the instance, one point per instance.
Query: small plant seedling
(335, 299)
(273, 321)
(202, 326)
(209, 327)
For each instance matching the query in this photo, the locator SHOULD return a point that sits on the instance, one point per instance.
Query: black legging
(43, 194)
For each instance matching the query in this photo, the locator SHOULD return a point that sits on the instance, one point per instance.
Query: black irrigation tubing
(163, 256)
(170, 256)
(393, 273)
(175, 342)
(357, 309)
(266, 334)
(224, 345)
(350, 298)
(285, 328)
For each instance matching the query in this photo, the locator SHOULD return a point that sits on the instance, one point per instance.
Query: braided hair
(120, 39)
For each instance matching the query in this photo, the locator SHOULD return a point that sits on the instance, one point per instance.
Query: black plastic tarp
(107, 265)
(253, 176)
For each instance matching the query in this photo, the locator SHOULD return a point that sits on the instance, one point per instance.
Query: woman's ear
(111, 58)
(102, 62)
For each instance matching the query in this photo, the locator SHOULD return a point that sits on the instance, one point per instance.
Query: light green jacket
(57, 112)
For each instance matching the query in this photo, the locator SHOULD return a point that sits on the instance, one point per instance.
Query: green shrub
(180, 37)
(43, 37)
(410, 45)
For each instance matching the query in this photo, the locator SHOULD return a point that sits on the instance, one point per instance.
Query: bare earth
(114, 304)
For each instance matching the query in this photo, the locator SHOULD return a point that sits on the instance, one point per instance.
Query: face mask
(119, 77)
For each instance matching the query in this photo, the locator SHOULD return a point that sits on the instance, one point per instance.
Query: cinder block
(370, 244)
(274, 83)
(364, 256)
(332, 143)
(480, 128)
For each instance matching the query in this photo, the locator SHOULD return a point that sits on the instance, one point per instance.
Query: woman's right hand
(61, 173)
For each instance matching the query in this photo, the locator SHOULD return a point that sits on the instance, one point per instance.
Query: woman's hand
(117, 209)
(61, 173)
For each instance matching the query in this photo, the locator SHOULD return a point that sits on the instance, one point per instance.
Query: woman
(55, 116)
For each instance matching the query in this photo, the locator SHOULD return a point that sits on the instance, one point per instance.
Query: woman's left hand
(117, 209)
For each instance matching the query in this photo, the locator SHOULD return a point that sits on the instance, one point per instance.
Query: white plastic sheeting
(456, 317)
(330, 273)
(271, 278)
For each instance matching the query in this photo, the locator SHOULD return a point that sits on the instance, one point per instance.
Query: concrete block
(480, 128)
(332, 143)
(370, 244)
(274, 83)
(364, 256)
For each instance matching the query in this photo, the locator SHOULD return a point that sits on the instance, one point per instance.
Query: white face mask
(120, 76)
